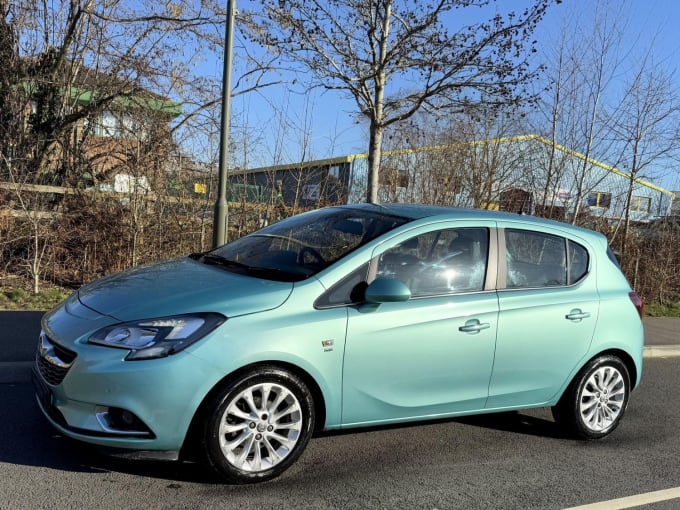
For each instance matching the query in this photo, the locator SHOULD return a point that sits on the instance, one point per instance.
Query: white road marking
(632, 501)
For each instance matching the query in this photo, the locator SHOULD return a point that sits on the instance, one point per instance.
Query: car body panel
(409, 360)
(534, 360)
(295, 334)
(181, 286)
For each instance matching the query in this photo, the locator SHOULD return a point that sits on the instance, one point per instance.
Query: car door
(431, 355)
(548, 312)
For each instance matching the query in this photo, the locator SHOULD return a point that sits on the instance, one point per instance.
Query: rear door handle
(474, 326)
(577, 315)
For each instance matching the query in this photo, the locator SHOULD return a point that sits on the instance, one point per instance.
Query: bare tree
(584, 67)
(395, 57)
(645, 129)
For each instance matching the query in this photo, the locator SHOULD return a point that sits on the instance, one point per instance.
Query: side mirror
(387, 290)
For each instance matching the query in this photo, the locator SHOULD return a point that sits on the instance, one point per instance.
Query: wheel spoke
(288, 443)
(274, 457)
(233, 410)
(282, 394)
(266, 391)
(248, 399)
(243, 456)
(285, 412)
(296, 425)
(257, 457)
(587, 392)
(235, 443)
(231, 428)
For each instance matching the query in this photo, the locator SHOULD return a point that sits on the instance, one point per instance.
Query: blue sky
(287, 125)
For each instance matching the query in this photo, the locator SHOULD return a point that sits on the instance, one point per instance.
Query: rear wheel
(595, 401)
(258, 426)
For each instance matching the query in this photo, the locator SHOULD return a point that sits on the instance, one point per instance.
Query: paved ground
(662, 330)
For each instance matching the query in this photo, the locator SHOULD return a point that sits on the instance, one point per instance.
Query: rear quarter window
(578, 262)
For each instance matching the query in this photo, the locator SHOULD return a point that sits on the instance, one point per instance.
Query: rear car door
(548, 309)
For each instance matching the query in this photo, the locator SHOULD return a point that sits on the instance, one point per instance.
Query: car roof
(419, 211)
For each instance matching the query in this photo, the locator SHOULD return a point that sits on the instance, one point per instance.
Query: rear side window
(536, 259)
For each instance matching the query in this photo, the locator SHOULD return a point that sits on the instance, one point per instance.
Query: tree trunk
(374, 154)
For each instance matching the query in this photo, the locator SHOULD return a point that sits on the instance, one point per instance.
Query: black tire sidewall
(216, 406)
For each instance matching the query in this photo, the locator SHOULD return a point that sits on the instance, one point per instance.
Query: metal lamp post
(221, 206)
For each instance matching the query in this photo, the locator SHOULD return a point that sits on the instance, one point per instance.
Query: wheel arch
(627, 360)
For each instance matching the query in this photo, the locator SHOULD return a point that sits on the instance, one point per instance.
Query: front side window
(440, 262)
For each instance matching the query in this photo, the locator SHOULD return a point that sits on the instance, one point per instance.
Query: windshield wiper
(270, 273)
(273, 273)
(219, 260)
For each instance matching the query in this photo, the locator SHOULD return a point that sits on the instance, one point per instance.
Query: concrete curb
(662, 351)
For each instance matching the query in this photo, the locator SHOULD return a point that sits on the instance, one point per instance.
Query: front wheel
(258, 426)
(594, 403)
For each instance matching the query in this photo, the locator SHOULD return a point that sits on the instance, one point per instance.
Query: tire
(595, 401)
(257, 426)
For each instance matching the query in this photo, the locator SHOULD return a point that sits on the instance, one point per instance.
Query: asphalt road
(513, 460)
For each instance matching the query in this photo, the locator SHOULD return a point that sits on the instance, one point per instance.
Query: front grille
(53, 360)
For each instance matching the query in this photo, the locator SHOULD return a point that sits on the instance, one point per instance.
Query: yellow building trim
(297, 166)
(509, 139)
(523, 138)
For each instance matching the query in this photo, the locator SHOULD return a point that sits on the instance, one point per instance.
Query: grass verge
(21, 299)
(672, 310)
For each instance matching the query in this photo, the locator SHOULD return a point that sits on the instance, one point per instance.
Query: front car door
(431, 355)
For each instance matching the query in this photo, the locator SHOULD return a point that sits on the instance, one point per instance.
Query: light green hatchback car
(343, 317)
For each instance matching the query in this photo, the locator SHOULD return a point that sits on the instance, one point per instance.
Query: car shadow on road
(528, 422)
(519, 423)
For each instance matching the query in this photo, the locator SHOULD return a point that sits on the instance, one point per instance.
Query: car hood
(181, 286)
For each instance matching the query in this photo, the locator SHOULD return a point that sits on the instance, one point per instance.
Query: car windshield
(301, 246)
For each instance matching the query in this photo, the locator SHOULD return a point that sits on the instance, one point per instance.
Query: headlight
(157, 338)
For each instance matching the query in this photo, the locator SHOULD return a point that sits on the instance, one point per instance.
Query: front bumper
(97, 397)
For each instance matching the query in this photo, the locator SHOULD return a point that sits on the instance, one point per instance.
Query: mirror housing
(387, 290)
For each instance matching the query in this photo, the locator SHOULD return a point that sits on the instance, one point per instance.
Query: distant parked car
(343, 317)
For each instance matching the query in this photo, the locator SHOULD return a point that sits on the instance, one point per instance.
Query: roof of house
(90, 84)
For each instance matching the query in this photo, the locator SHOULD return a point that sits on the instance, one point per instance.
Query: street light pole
(221, 206)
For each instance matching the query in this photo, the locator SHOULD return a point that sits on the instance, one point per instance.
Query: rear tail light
(639, 305)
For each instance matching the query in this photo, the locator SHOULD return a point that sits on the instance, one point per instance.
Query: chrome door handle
(474, 326)
(577, 315)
